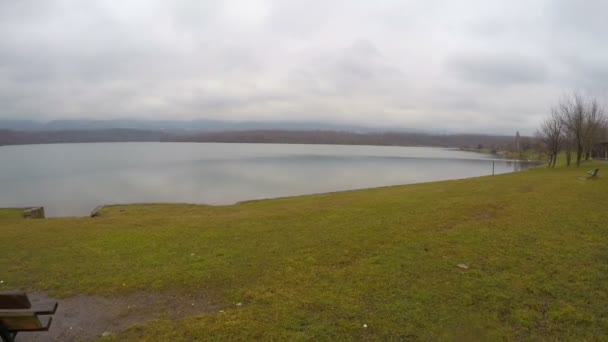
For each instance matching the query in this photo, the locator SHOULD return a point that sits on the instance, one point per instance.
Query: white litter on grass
(239, 304)
(365, 325)
(1, 281)
(463, 266)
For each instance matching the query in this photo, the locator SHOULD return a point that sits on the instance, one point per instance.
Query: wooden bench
(18, 314)
(593, 173)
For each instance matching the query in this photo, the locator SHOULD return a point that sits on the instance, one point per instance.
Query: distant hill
(179, 127)
(350, 138)
(11, 137)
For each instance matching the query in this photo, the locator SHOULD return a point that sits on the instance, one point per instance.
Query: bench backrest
(14, 300)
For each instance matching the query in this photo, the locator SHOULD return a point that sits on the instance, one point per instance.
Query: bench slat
(14, 300)
(44, 308)
(41, 310)
(26, 323)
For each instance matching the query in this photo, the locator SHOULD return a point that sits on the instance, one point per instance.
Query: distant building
(600, 151)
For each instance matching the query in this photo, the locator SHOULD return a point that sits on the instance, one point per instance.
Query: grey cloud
(584, 19)
(357, 71)
(300, 18)
(463, 66)
(502, 70)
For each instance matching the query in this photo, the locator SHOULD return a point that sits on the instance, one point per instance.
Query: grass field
(321, 267)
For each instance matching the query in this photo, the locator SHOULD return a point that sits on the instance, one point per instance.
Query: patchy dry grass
(320, 267)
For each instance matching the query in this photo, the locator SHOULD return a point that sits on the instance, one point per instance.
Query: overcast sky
(453, 66)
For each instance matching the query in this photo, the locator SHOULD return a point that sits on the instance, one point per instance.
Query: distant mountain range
(170, 126)
(20, 132)
(12, 137)
(350, 138)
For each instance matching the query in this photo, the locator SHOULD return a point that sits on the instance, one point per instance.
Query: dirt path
(88, 317)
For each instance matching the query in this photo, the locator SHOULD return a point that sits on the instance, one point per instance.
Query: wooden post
(492, 168)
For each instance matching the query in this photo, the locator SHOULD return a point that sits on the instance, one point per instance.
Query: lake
(72, 179)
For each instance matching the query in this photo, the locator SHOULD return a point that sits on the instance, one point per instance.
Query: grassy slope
(319, 267)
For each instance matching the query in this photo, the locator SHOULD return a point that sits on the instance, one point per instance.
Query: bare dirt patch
(88, 317)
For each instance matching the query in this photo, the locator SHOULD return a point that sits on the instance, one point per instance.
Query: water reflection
(72, 179)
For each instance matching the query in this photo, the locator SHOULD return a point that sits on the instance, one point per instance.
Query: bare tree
(572, 113)
(517, 149)
(583, 118)
(568, 145)
(601, 151)
(552, 135)
(594, 122)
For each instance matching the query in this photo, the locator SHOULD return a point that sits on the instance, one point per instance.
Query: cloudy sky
(453, 66)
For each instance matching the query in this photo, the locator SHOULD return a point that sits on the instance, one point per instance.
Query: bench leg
(7, 336)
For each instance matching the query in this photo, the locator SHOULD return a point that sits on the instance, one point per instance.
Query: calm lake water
(72, 179)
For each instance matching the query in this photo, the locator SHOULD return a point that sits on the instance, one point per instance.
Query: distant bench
(18, 314)
(593, 173)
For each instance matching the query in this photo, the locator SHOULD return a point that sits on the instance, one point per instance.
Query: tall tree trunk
(554, 157)
(568, 158)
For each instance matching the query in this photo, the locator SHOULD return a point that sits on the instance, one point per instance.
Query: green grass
(319, 267)
(11, 213)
